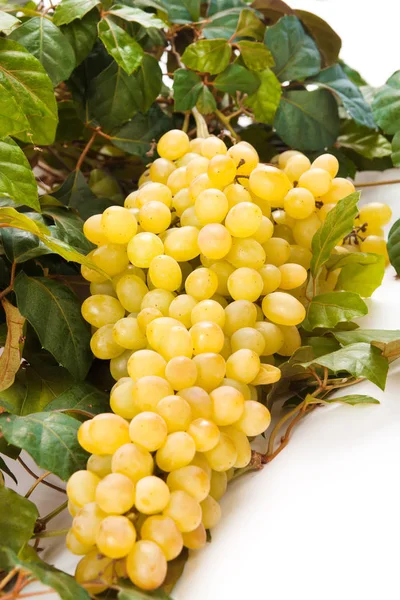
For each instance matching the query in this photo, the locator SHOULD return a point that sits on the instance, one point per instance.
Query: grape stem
(38, 480)
(44, 520)
(48, 534)
(376, 183)
(226, 122)
(28, 470)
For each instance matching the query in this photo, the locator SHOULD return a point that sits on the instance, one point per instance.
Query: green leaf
(65, 585)
(291, 368)
(265, 101)
(17, 520)
(307, 120)
(217, 6)
(136, 136)
(10, 359)
(327, 40)
(70, 126)
(16, 177)
(255, 55)
(335, 80)
(364, 141)
(68, 228)
(353, 75)
(9, 216)
(45, 41)
(386, 105)
(128, 592)
(388, 341)
(396, 149)
(81, 396)
(206, 102)
(149, 78)
(187, 87)
(22, 75)
(76, 194)
(338, 223)
(327, 310)
(237, 78)
(175, 571)
(338, 261)
(136, 15)
(123, 48)
(211, 56)
(223, 24)
(50, 438)
(8, 22)
(69, 10)
(82, 34)
(295, 53)
(4, 468)
(249, 25)
(360, 360)
(352, 400)
(12, 119)
(182, 11)
(54, 312)
(393, 246)
(322, 345)
(362, 279)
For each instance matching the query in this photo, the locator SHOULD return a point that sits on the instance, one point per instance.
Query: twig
(28, 470)
(86, 150)
(53, 513)
(38, 480)
(376, 183)
(48, 534)
(226, 122)
(9, 288)
(8, 578)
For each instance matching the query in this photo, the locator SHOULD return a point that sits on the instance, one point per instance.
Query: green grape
(263, 204)
(206, 337)
(264, 232)
(198, 400)
(158, 331)
(292, 276)
(248, 337)
(130, 201)
(187, 158)
(99, 464)
(102, 310)
(208, 310)
(95, 572)
(126, 333)
(154, 191)
(146, 564)
(304, 230)
(222, 269)
(220, 299)
(152, 495)
(211, 369)
(228, 403)
(243, 365)
(284, 232)
(375, 213)
(291, 340)
(177, 451)
(218, 484)
(246, 253)
(149, 430)
(181, 201)
(221, 170)
(339, 189)
(119, 365)
(196, 167)
(296, 166)
(131, 291)
(102, 343)
(75, 546)
(81, 487)
(157, 299)
(147, 315)
(93, 230)
(328, 162)
(238, 314)
(176, 412)
(245, 158)
(121, 399)
(212, 146)
(244, 219)
(245, 284)
(236, 193)
(119, 224)
(143, 248)
(115, 536)
(271, 277)
(196, 539)
(178, 343)
(111, 258)
(132, 461)
(184, 510)
(283, 309)
(181, 309)
(204, 433)
(165, 273)
(108, 432)
(211, 512)
(161, 169)
(300, 255)
(162, 531)
(277, 251)
(242, 445)
(154, 217)
(182, 244)
(211, 206)
(273, 337)
(104, 288)
(190, 479)
(317, 181)
(173, 144)
(254, 420)
(299, 203)
(269, 183)
(146, 362)
(214, 241)
(181, 372)
(224, 455)
(177, 180)
(201, 284)
(149, 390)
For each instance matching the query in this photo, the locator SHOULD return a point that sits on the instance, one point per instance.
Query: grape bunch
(207, 267)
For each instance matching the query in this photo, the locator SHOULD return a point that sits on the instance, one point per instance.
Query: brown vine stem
(226, 122)
(38, 480)
(32, 474)
(44, 520)
(8, 578)
(376, 183)
(9, 288)
(86, 150)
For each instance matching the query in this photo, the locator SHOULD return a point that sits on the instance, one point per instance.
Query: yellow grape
(236, 193)
(108, 432)
(324, 210)
(243, 365)
(271, 277)
(245, 284)
(111, 258)
(254, 420)
(197, 166)
(115, 536)
(190, 479)
(375, 212)
(204, 433)
(296, 166)
(152, 495)
(264, 232)
(228, 403)
(119, 224)
(198, 400)
(299, 203)
(273, 337)
(173, 144)
(304, 230)
(181, 309)
(130, 201)
(243, 388)
(119, 365)
(133, 461)
(146, 563)
(246, 253)
(248, 337)
(199, 184)
(181, 201)
(184, 510)
(211, 512)
(163, 531)
(292, 276)
(328, 162)
(224, 455)
(208, 310)
(222, 269)
(269, 183)
(175, 411)
(206, 337)
(242, 445)
(158, 331)
(146, 316)
(201, 284)
(102, 310)
(282, 218)
(126, 333)
(177, 180)
(102, 343)
(81, 487)
(165, 273)
(211, 206)
(130, 291)
(177, 343)
(130, 270)
(154, 191)
(85, 439)
(317, 181)
(75, 546)
(177, 451)
(211, 146)
(182, 244)
(300, 255)
(86, 522)
(211, 370)
(214, 241)
(339, 189)
(240, 313)
(221, 170)
(283, 309)
(218, 484)
(284, 157)
(149, 390)
(244, 219)
(195, 144)
(200, 460)
(181, 372)
(291, 340)
(245, 157)
(95, 571)
(149, 430)
(121, 399)
(115, 494)
(196, 539)
(146, 362)
(105, 288)
(187, 158)
(154, 217)
(93, 230)
(143, 248)
(144, 178)
(375, 244)
(99, 464)
(159, 300)
(277, 251)
(161, 169)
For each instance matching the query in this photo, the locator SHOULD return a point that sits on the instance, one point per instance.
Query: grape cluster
(205, 286)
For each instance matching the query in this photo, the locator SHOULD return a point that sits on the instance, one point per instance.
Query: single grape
(292, 276)
(163, 531)
(181, 309)
(102, 310)
(108, 432)
(269, 183)
(243, 388)
(211, 512)
(248, 337)
(165, 273)
(228, 403)
(146, 316)
(254, 420)
(242, 446)
(86, 523)
(115, 494)
(211, 369)
(178, 343)
(214, 241)
(317, 181)
(95, 572)
(201, 284)
(181, 201)
(283, 158)
(291, 340)
(177, 451)
(133, 461)
(296, 166)
(177, 180)
(149, 390)
(212, 146)
(181, 372)
(375, 244)
(149, 430)
(199, 184)
(158, 330)
(126, 333)
(238, 314)
(211, 206)
(130, 291)
(204, 433)
(218, 485)
(104, 288)
(246, 253)
(299, 203)
(99, 464)
(182, 244)
(81, 487)
(157, 299)
(152, 495)
(176, 413)
(143, 248)
(196, 167)
(328, 162)
(339, 189)
(245, 284)
(236, 193)
(300, 255)
(221, 170)
(146, 563)
(304, 230)
(161, 169)
(375, 212)
(115, 536)
(131, 200)
(146, 362)
(119, 224)
(173, 144)
(283, 309)
(111, 258)
(243, 365)
(222, 269)
(93, 230)
(154, 217)
(264, 232)
(198, 400)
(191, 479)
(184, 510)
(245, 157)
(273, 337)
(206, 337)
(75, 546)
(223, 456)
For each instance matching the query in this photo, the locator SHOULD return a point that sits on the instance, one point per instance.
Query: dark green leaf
(223, 24)
(335, 79)
(182, 11)
(307, 120)
(388, 341)
(45, 41)
(70, 126)
(22, 75)
(295, 53)
(22, 245)
(217, 6)
(10, 359)
(8, 22)
(4, 468)
(63, 584)
(386, 105)
(50, 438)
(352, 400)
(322, 345)
(68, 228)
(136, 136)
(187, 87)
(123, 48)
(82, 34)
(327, 40)
(237, 78)
(81, 396)
(353, 74)
(16, 177)
(206, 102)
(265, 101)
(9, 450)
(17, 520)
(364, 141)
(175, 570)
(361, 278)
(12, 118)
(393, 246)
(396, 149)
(136, 15)
(69, 10)
(149, 81)
(255, 55)
(360, 360)
(249, 25)
(327, 310)
(75, 193)
(54, 312)
(338, 223)
(290, 369)
(211, 56)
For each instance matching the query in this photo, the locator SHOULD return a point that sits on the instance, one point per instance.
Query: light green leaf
(295, 53)
(338, 223)
(386, 105)
(50, 438)
(327, 310)
(255, 55)
(338, 261)
(22, 75)
(249, 25)
(327, 40)
(351, 400)
(388, 341)
(136, 136)
(361, 278)
(206, 102)
(322, 345)
(8, 22)
(187, 87)
(182, 11)
(69, 10)
(265, 101)
(17, 520)
(396, 149)
(12, 119)
(237, 78)
(13, 218)
(393, 246)
(129, 592)
(136, 15)
(10, 359)
(45, 41)
(123, 48)
(364, 141)
(16, 177)
(307, 120)
(82, 34)
(54, 312)
(81, 396)
(211, 56)
(360, 360)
